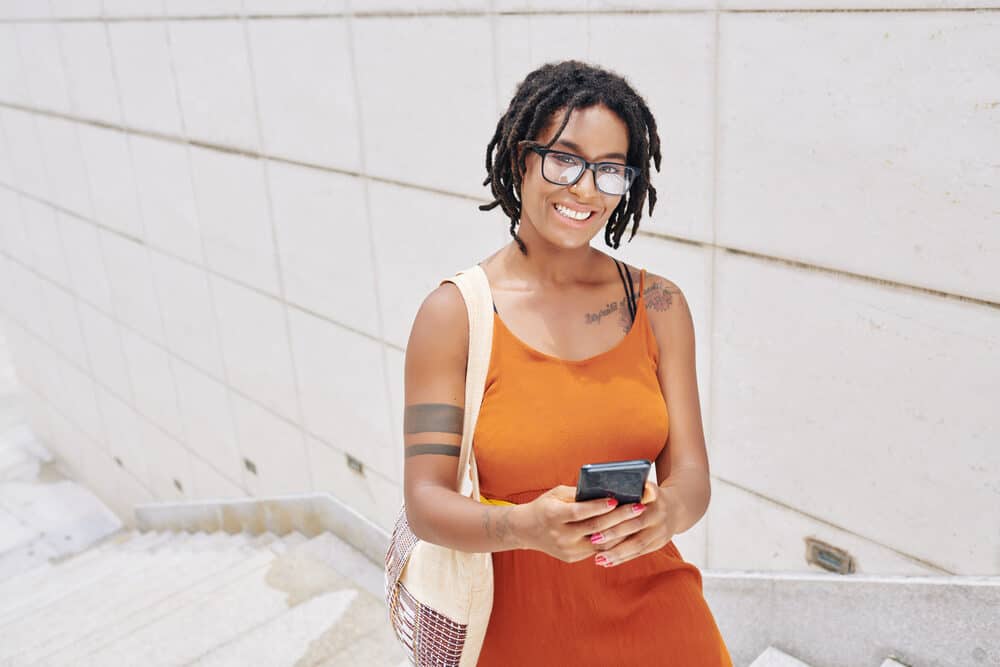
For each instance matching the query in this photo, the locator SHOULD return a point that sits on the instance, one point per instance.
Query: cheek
(534, 191)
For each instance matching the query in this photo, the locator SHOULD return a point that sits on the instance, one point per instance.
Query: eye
(562, 158)
(615, 169)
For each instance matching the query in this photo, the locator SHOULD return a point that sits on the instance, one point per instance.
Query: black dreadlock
(570, 85)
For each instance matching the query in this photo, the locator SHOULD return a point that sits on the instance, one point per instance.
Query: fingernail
(638, 507)
(612, 502)
(601, 560)
(596, 538)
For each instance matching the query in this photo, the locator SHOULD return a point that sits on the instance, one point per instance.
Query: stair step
(287, 541)
(28, 582)
(347, 561)
(188, 542)
(264, 539)
(284, 639)
(33, 627)
(774, 657)
(62, 584)
(179, 628)
(177, 573)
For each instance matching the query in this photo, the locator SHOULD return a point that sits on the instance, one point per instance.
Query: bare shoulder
(667, 307)
(662, 295)
(442, 323)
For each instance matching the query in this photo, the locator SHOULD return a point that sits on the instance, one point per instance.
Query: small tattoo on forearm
(433, 417)
(497, 524)
(417, 450)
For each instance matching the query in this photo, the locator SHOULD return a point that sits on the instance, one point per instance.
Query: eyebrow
(572, 146)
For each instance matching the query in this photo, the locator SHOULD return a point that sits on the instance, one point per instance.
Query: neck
(548, 264)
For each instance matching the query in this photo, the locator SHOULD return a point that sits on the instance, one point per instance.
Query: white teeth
(570, 213)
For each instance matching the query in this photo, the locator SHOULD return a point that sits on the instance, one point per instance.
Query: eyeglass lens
(565, 169)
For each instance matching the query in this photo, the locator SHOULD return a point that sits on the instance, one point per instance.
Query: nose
(586, 186)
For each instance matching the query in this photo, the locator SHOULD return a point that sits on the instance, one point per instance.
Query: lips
(569, 219)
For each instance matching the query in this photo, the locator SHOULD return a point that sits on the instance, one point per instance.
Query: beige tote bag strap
(475, 289)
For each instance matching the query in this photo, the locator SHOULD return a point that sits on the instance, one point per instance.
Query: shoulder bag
(440, 599)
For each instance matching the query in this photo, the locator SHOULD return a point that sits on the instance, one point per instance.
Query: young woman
(592, 361)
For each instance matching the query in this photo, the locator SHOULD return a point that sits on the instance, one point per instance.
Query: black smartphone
(622, 480)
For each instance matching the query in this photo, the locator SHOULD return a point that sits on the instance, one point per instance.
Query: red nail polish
(601, 560)
(612, 502)
(638, 507)
(596, 538)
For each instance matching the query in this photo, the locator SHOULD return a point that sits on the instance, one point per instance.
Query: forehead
(596, 130)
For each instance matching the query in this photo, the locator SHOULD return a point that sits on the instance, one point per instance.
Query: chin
(570, 241)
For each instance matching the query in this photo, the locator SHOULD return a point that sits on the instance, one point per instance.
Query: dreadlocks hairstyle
(570, 85)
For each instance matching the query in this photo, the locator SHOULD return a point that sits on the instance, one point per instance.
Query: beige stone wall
(217, 220)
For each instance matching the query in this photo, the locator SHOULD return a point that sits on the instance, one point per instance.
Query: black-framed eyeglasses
(561, 168)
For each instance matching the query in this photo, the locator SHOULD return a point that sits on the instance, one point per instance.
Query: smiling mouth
(570, 214)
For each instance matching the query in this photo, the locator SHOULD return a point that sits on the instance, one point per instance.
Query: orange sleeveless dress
(541, 419)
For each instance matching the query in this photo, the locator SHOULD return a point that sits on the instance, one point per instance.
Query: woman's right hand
(556, 524)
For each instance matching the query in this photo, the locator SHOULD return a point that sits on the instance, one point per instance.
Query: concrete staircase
(774, 657)
(175, 598)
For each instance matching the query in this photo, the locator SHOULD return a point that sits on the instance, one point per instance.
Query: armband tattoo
(447, 450)
(433, 418)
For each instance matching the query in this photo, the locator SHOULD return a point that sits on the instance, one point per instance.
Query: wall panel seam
(203, 268)
(403, 15)
(276, 249)
(885, 282)
(59, 354)
(813, 517)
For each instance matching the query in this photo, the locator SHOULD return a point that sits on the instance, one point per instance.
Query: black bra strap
(629, 293)
(495, 308)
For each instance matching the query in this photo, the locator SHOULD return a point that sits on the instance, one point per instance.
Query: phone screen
(622, 480)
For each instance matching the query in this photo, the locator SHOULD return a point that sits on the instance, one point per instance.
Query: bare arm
(436, 357)
(682, 468)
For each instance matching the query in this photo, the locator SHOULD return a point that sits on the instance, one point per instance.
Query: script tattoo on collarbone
(433, 418)
(658, 297)
(613, 307)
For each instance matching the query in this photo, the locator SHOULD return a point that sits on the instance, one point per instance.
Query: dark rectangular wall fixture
(355, 465)
(828, 556)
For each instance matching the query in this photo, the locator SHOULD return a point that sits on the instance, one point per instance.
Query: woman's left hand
(641, 535)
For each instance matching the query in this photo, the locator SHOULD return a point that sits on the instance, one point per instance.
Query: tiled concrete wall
(218, 219)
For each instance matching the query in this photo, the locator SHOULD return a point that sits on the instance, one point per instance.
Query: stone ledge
(310, 514)
(830, 619)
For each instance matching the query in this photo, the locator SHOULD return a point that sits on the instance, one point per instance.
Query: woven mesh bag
(440, 599)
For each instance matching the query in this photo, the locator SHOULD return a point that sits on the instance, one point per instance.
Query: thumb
(650, 492)
(564, 493)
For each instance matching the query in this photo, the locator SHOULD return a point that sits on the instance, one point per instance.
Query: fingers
(628, 549)
(627, 522)
(608, 545)
(558, 515)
